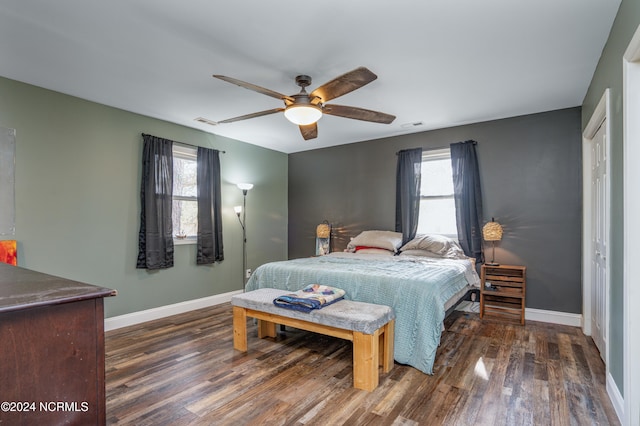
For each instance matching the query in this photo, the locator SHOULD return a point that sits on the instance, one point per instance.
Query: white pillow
(420, 253)
(387, 240)
(437, 244)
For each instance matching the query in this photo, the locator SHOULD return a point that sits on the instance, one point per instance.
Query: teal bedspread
(416, 288)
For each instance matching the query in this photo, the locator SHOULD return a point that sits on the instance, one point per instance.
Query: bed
(419, 280)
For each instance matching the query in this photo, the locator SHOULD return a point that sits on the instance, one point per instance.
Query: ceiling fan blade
(253, 115)
(358, 113)
(342, 85)
(255, 88)
(309, 131)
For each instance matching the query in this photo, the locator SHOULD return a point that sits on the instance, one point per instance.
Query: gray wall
(531, 175)
(77, 199)
(609, 75)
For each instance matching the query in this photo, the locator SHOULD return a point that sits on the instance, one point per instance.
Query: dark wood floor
(183, 370)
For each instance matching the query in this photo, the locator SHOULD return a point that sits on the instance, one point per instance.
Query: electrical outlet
(247, 273)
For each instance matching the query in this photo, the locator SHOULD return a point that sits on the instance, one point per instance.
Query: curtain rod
(433, 148)
(184, 143)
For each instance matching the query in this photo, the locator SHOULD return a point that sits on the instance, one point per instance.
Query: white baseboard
(616, 398)
(133, 318)
(554, 317)
(532, 314)
(165, 311)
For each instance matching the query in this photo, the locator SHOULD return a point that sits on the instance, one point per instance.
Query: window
(437, 205)
(185, 194)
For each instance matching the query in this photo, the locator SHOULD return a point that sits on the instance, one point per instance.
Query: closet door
(599, 193)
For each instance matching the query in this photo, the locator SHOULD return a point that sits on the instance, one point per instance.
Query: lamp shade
(492, 231)
(302, 114)
(323, 230)
(245, 186)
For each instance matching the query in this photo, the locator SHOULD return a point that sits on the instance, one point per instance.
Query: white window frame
(434, 155)
(186, 153)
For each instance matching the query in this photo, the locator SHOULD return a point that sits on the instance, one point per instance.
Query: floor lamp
(245, 187)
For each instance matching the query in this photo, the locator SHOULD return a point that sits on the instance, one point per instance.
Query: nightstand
(502, 291)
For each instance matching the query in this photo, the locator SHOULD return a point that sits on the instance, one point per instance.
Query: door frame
(601, 113)
(631, 251)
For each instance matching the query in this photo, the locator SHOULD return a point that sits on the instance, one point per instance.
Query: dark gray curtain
(209, 211)
(408, 174)
(155, 239)
(468, 198)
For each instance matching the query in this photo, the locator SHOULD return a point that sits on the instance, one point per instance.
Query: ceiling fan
(305, 109)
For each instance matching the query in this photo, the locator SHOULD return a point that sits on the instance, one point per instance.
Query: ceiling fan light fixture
(303, 115)
(305, 109)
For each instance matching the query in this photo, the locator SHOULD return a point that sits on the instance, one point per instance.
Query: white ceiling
(439, 62)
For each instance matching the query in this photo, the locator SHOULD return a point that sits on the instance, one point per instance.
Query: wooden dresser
(51, 349)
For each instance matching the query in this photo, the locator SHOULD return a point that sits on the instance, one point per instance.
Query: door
(631, 149)
(599, 193)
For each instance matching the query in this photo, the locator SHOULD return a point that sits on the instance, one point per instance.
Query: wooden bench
(368, 326)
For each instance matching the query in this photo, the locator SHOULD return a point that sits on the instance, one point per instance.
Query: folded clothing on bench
(313, 296)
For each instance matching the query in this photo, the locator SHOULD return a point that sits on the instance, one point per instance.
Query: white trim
(554, 317)
(614, 395)
(632, 54)
(586, 237)
(631, 250)
(601, 113)
(133, 318)
(532, 314)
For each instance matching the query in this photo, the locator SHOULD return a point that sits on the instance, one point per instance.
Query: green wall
(77, 199)
(608, 74)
